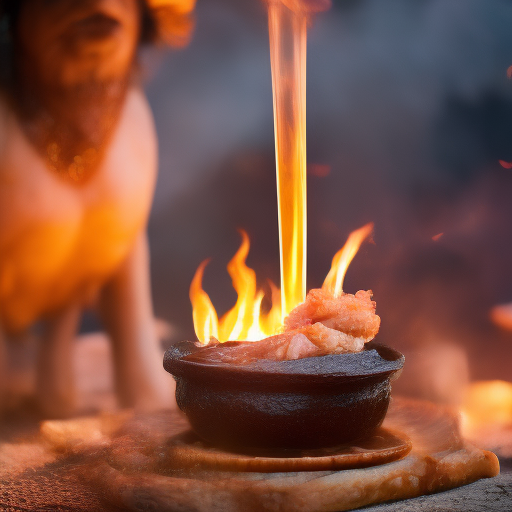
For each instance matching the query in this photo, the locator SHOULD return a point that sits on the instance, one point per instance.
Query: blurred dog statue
(78, 161)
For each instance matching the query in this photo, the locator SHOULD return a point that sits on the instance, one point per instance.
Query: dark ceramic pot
(315, 402)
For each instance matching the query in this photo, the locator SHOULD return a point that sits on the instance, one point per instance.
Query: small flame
(235, 321)
(245, 321)
(334, 280)
(206, 323)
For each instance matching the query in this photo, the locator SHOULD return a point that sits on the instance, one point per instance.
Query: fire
(245, 321)
(288, 37)
(206, 323)
(334, 280)
(487, 403)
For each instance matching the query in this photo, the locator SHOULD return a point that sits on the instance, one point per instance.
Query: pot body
(285, 405)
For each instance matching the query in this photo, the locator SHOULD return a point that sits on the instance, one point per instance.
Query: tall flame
(245, 321)
(288, 37)
(334, 280)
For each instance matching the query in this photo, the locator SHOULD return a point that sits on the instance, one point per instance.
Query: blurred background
(409, 113)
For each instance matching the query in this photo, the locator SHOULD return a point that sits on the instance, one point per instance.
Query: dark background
(410, 109)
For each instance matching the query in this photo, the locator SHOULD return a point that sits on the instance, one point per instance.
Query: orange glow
(245, 321)
(437, 237)
(334, 280)
(487, 403)
(288, 36)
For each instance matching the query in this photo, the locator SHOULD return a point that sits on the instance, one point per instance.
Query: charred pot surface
(308, 403)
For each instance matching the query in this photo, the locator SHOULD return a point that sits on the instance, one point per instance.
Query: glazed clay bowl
(310, 403)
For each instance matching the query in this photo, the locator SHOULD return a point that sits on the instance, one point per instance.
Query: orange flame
(206, 323)
(245, 321)
(334, 280)
(288, 36)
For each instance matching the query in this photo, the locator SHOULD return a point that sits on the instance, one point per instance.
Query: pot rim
(374, 362)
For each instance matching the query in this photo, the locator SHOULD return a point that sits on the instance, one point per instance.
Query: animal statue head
(67, 66)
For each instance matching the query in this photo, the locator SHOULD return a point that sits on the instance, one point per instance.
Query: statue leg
(55, 385)
(127, 311)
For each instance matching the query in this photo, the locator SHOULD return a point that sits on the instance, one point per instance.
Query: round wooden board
(186, 450)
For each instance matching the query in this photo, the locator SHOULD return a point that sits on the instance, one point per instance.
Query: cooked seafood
(352, 314)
